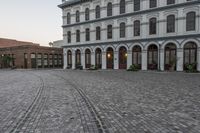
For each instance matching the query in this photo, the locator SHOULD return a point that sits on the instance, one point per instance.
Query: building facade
(114, 34)
(28, 55)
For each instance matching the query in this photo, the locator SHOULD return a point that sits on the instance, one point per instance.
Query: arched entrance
(153, 57)
(33, 60)
(78, 58)
(69, 59)
(87, 58)
(136, 56)
(98, 58)
(122, 58)
(109, 58)
(170, 56)
(190, 55)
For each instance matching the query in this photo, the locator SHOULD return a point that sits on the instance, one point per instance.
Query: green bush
(93, 67)
(191, 67)
(133, 67)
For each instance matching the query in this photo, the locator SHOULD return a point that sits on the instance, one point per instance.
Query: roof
(4, 42)
(71, 3)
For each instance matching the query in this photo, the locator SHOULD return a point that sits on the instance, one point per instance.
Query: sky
(37, 21)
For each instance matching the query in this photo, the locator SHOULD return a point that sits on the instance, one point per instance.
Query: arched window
(152, 57)
(69, 58)
(122, 6)
(137, 56)
(68, 18)
(170, 2)
(122, 57)
(136, 28)
(98, 33)
(78, 58)
(153, 3)
(190, 55)
(109, 31)
(69, 36)
(87, 58)
(87, 34)
(136, 5)
(109, 9)
(98, 58)
(170, 56)
(170, 23)
(110, 58)
(190, 21)
(152, 26)
(98, 12)
(122, 30)
(77, 16)
(77, 35)
(87, 14)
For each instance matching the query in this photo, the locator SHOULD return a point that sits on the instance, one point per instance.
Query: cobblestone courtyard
(66, 101)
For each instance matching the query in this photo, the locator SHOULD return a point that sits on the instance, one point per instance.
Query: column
(129, 58)
(73, 60)
(92, 58)
(198, 59)
(162, 64)
(116, 60)
(179, 66)
(144, 60)
(103, 60)
(83, 60)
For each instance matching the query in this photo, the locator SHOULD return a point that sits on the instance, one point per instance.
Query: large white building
(114, 34)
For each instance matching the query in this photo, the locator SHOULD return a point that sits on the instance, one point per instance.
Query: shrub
(93, 67)
(133, 67)
(191, 67)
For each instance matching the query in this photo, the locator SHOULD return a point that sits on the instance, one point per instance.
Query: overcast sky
(38, 21)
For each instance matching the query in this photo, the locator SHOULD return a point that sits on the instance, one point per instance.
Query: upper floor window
(69, 36)
(170, 23)
(190, 21)
(136, 5)
(87, 34)
(122, 6)
(98, 33)
(109, 9)
(136, 28)
(87, 14)
(98, 12)
(152, 26)
(122, 30)
(153, 3)
(109, 31)
(68, 18)
(77, 35)
(77, 16)
(170, 2)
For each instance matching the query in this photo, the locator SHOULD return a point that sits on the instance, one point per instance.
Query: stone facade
(181, 41)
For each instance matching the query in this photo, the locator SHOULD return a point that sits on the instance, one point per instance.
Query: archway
(170, 56)
(78, 58)
(98, 58)
(109, 58)
(153, 57)
(190, 55)
(87, 58)
(69, 59)
(122, 58)
(136, 56)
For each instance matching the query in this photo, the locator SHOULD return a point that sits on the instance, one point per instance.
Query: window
(170, 2)
(68, 18)
(98, 12)
(77, 16)
(87, 34)
(69, 36)
(109, 32)
(77, 35)
(87, 14)
(136, 28)
(109, 9)
(152, 26)
(122, 30)
(170, 23)
(136, 5)
(98, 33)
(153, 3)
(122, 6)
(190, 21)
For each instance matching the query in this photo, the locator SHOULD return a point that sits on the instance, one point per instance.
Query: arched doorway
(136, 56)
(33, 60)
(190, 55)
(153, 57)
(87, 58)
(170, 56)
(122, 58)
(69, 59)
(78, 58)
(109, 58)
(98, 58)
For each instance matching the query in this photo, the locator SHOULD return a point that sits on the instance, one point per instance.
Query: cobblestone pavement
(70, 101)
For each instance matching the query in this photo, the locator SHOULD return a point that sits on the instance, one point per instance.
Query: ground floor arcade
(166, 55)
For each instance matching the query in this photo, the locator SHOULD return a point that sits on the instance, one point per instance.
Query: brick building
(29, 55)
